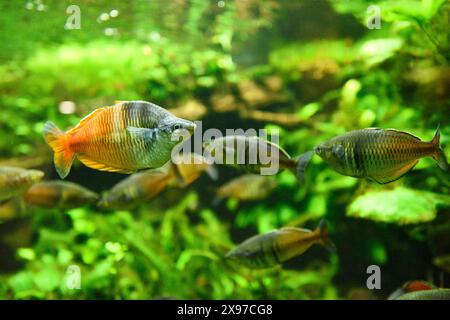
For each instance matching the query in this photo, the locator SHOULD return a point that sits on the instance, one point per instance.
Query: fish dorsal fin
(101, 166)
(87, 118)
(294, 229)
(404, 133)
(393, 174)
(142, 133)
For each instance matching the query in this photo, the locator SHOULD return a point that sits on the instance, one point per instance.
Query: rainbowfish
(59, 194)
(15, 181)
(137, 188)
(275, 247)
(189, 167)
(12, 209)
(124, 138)
(248, 187)
(411, 286)
(378, 154)
(251, 153)
(433, 294)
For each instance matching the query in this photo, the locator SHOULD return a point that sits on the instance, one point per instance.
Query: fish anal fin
(393, 174)
(88, 162)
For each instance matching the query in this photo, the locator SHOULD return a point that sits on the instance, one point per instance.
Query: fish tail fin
(212, 172)
(301, 164)
(439, 155)
(57, 140)
(323, 236)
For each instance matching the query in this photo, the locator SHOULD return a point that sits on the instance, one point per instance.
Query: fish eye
(176, 126)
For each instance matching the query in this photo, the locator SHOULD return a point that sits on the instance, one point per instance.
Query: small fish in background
(136, 189)
(240, 148)
(443, 262)
(15, 181)
(124, 138)
(378, 154)
(411, 286)
(249, 187)
(189, 167)
(432, 294)
(275, 247)
(12, 209)
(59, 194)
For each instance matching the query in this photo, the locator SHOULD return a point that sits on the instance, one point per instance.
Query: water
(310, 69)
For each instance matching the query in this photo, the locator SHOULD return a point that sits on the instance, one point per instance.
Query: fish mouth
(190, 127)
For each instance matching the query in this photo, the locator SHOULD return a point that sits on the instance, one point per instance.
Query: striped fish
(248, 187)
(434, 294)
(136, 189)
(15, 181)
(275, 247)
(377, 154)
(122, 138)
(252, 154)
(59, 194)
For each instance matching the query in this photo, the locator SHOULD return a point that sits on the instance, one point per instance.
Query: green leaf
(400, 205)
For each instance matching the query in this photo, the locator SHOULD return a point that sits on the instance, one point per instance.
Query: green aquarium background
(310, 69)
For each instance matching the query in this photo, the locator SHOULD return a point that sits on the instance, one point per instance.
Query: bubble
(104, 17)
(110, 31)
(67, 107)
(221, 4)
(114, 13)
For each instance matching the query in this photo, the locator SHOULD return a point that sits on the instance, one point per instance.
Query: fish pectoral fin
(101, 166)
(143, 133)
(393, 174)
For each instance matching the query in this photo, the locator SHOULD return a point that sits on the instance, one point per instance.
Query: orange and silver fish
(124, 138)
(275, 247)
(248, 187)
(188, 167)
(136, 189)
(15, 181)
(59, 194)
(433, 294)
(411, 286)
(378, 154)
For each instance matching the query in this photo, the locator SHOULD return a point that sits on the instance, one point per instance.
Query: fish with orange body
(186, 168)
(59, 194)
(124, 138)
(138, 188)
(15, 181)
(275, 247)
(378, 154)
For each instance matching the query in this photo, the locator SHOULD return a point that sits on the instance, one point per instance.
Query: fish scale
(118, 138)
(377, 154)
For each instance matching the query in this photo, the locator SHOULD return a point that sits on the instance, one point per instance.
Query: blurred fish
(275, 247)
(433, 294)
(285, 119)
(380, 155)
(411, 286)
(443, 262)
(12, 209)
(15, 181)
(248, 187)
(190, 166)
(192, 110)
(59, 194)
(122, 138)
(250, 153)
(135, 189)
